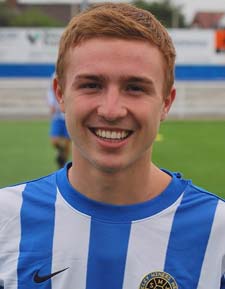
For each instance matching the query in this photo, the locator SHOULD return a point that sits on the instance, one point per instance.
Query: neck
(129, 186)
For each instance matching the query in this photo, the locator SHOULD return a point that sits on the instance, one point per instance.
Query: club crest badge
(158, 280)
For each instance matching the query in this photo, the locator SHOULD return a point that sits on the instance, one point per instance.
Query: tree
(5, 15)
(168, 14)
(31, 17)
(34, 17)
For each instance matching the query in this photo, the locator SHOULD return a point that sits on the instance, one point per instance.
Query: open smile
(110, 134)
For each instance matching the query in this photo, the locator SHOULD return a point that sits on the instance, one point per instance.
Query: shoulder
(203, 194)
(198, 199)
(12, 197)
(192, 191)
(212, 208)
(10, 200)
(205, 204)
(17, 189)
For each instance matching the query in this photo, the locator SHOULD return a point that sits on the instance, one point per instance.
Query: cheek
(73, 106)
(150, 118)
(77, 112)
(150, 112)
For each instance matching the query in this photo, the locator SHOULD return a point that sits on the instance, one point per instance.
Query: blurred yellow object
(159, 137)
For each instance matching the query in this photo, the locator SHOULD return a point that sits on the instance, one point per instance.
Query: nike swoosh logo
(40, 279)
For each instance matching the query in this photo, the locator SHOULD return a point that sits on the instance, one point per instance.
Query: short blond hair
(122, 21)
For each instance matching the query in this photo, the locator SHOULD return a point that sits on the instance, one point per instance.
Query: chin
(109, 169)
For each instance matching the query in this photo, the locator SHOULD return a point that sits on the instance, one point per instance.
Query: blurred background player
(59, 136)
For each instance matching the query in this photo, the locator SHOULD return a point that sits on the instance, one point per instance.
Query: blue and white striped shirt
(53, 237)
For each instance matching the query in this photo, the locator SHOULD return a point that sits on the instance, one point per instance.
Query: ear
(58, 93)
(167, 103)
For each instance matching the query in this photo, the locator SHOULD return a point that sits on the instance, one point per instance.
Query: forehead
(115, 57)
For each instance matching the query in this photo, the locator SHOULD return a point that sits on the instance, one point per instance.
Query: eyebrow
(140, 79)
(86, 77)
(125, 78)
(89, 77)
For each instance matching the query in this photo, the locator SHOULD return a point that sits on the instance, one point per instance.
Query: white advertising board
(195, 46)
(41, 46)
(29, 45)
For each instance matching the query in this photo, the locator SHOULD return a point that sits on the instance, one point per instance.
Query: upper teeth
(111, 134)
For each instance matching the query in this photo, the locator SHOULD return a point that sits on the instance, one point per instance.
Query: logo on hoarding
(33, 37)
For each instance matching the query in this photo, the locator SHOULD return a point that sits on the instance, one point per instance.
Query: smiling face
(113, 102)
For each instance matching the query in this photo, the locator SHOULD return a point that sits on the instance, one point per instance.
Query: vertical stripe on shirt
(11, 202)
(148, 246)
(185, 253)
(37, 228)
(107, 255)
(213, 266)
(70, 246)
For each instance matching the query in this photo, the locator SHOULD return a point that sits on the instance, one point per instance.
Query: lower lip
(112, 144)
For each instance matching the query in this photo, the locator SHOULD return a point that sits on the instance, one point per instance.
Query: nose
(111, 106)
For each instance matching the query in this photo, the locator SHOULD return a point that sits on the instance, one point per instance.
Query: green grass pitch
(195, 148)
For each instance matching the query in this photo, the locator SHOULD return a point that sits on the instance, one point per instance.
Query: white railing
(199, 99)
(26, 98)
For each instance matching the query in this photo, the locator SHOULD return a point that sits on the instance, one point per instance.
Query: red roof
(207, 19)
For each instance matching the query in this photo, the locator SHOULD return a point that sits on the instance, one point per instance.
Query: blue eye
(135, 88)
(90, 85)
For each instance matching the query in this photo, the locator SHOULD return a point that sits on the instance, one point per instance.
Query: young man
(111, 218)
(59, 136)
